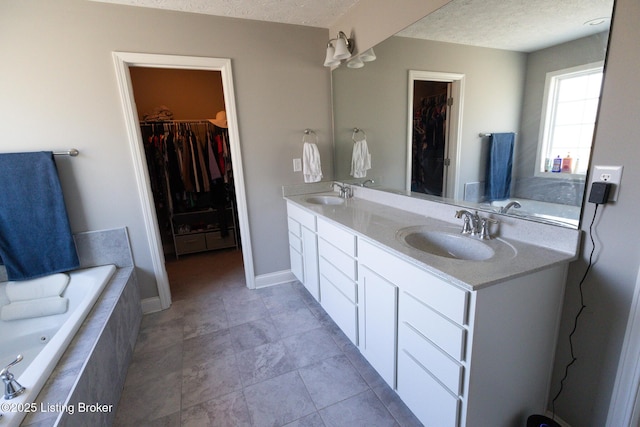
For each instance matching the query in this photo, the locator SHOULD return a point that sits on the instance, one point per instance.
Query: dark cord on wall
(575, 322)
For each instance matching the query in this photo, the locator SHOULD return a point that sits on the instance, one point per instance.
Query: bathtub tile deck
(225, 355)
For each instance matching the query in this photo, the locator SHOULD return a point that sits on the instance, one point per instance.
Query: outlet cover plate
(612, 174)
(297, 165)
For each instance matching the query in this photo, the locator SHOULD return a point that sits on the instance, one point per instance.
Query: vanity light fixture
(368, 55)
(358, 61)
(338, 49)
(355, 63)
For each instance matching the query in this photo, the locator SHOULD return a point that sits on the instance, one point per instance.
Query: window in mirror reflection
(568, 120)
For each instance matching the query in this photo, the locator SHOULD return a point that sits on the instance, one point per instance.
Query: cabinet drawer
(340, 238)
(216, 240)
(294, 227)
(430, 402)
(306, 219)
(442, 332)
(191, 243)
(442, 366)
(295, 242)
(297, 263)
(341, 282)
(443, 297)
(341, 310)
(342, 261)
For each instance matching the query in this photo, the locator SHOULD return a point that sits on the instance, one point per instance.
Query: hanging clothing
(185, 159)
(214, 169)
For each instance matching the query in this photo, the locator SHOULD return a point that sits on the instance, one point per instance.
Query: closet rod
(70, 152)
(170, 122)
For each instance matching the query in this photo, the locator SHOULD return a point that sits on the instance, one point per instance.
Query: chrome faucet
(12, 388)
(470, 225)
(475, 225)
(369, 181)
(514, 204)
(345, 192)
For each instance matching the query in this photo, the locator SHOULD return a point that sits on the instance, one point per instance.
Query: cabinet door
(341, 309)
(377, 300)
(310, 261)
(295, 249)
(295, 255)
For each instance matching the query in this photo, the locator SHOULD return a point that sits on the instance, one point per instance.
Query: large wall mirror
(532, 69)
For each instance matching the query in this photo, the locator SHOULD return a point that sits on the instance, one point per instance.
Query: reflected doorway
(434, 127)
(429, 136)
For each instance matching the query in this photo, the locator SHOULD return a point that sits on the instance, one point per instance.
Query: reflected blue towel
(499, 164)
(35, 237)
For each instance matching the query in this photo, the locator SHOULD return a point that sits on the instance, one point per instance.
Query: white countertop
(380, 223)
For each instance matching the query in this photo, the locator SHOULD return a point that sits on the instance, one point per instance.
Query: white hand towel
(360, 159)
(311, 168)
(47, 286)
(34, 308)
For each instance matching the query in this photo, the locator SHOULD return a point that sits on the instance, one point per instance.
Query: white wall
(58, 90)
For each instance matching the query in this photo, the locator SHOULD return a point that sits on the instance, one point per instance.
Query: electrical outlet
(610, 174)
(297, 165)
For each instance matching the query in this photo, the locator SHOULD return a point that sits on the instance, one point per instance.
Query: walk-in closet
(186, 143)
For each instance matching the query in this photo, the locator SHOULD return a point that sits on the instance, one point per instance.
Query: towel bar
(482, 135)
(71, 152)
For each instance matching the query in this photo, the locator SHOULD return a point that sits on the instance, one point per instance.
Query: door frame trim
(624, 407)
(124, 60)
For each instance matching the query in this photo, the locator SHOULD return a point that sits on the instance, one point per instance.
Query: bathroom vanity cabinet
(303, 248)
(456, 355)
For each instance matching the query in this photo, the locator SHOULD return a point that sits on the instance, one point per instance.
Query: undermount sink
(454, 245)
(325, 200)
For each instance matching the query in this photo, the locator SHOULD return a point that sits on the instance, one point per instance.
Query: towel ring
(355, 131)
(308, 132)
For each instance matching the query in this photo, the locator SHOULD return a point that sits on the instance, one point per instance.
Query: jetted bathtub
(42, 340)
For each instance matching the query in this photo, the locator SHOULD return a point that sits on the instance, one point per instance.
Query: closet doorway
(127, 65)
(186, 142)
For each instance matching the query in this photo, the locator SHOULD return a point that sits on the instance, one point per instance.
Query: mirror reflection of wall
(504, 91)
(375, 98)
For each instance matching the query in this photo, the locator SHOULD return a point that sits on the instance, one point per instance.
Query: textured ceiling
(521, 25)
(313, 13)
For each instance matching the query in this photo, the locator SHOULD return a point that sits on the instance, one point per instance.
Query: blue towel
(35, 237)
(497, 184)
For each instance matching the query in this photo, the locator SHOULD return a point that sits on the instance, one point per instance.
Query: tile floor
(224, 355)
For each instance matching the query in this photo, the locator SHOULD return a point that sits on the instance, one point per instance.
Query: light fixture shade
(329, 60)
(355, 63)
(368, 55)
(341, 49)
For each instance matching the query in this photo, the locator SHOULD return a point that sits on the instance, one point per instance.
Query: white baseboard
(151, 305)
(276, 278)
